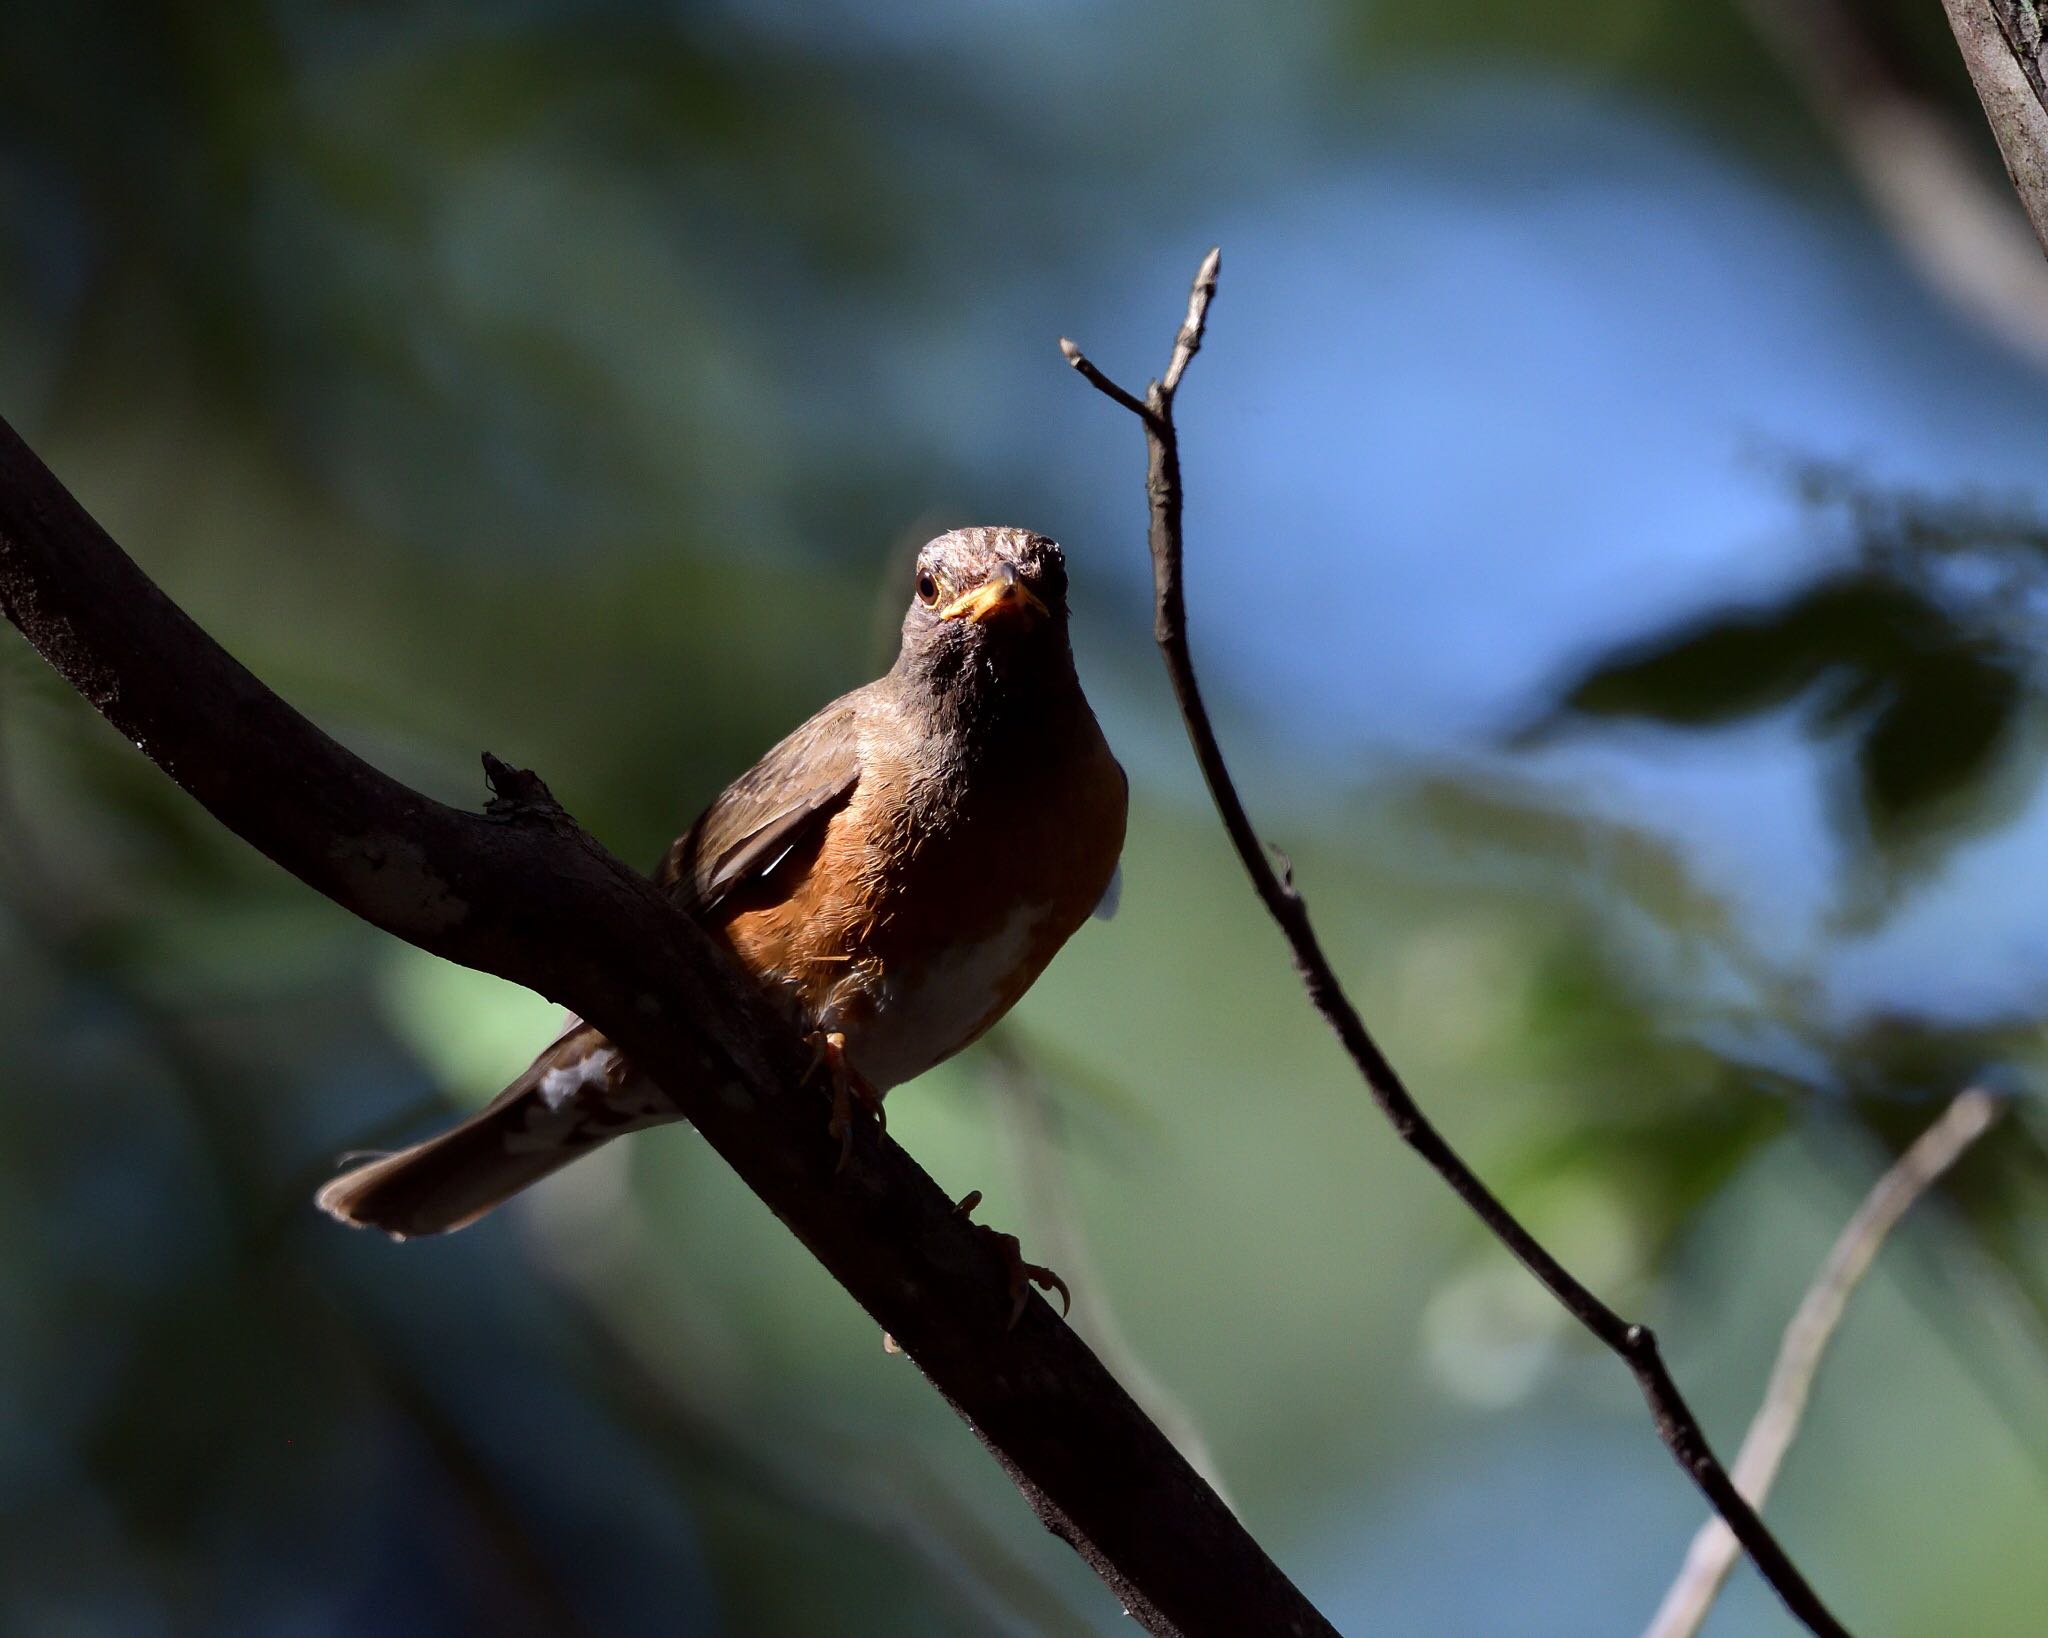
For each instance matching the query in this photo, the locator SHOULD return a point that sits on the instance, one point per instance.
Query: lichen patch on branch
(389, 881)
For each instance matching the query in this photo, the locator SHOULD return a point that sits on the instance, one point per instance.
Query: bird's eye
(927, 587)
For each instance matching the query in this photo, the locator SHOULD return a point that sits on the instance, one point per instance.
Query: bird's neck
(981, 698)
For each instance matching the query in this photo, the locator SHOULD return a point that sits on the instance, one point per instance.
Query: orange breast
(938, 896)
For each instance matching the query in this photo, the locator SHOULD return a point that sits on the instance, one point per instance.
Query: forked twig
(1675, 1422)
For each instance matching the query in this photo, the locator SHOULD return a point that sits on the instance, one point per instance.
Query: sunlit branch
(2006, 68)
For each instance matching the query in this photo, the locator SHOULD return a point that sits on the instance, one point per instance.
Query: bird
(895, 874)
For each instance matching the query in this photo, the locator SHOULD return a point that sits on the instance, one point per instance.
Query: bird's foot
(848, 1086)
(1023, 1275)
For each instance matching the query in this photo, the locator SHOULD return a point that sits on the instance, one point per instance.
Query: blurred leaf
(1943, 732)
(1918, 667)
(1576, 849)
(1666, 1151)
(1738, 662)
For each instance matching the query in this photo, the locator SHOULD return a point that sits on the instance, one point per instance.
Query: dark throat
(983, 693)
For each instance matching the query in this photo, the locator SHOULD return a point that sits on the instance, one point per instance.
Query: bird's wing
(755, 837)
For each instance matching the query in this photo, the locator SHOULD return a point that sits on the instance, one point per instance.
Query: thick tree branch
(1714, 1550)
(2003, 48)
(523, 893)
(1675, 1423)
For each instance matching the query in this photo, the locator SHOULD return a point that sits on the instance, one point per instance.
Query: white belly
(928, 1013)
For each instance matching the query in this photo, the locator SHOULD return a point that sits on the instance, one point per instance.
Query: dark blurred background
(1617, 551)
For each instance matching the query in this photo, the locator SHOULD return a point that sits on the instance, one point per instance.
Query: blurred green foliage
(542, 379)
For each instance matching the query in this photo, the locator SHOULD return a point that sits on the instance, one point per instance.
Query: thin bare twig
(1101, 382)
(1714, 1549)
(1635, 1344)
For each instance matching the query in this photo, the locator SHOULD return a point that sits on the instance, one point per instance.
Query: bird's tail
(569, 1102)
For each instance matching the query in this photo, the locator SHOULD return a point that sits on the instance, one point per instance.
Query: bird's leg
(1023, 1275)
(849, 1087)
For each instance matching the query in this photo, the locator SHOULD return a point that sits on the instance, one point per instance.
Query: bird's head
(993, 595)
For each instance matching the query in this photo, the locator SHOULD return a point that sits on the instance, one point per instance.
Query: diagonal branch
(1770, 1435)
(1635, 1344)
(2003, 48)
(521, 892)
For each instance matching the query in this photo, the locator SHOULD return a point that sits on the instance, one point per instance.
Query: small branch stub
(1102, 383)
(517, 793)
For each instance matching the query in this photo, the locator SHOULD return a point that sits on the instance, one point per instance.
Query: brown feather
(518, 1138)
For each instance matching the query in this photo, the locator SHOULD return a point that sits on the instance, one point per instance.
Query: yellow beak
(1001, 593)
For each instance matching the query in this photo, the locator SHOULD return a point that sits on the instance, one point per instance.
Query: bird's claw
(849, 1086)
(1022, 1275)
